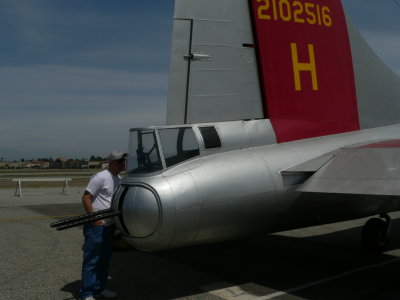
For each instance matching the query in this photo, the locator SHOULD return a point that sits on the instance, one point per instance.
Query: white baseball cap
(116, 155)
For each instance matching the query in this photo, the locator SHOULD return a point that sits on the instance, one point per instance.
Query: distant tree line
(50, 159)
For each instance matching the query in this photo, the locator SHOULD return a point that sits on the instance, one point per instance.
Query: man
(99, 235)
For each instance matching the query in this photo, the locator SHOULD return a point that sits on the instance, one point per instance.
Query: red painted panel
(306, 67)
(384, 144)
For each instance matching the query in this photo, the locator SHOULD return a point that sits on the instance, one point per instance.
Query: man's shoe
(107, 294)
(88, 298)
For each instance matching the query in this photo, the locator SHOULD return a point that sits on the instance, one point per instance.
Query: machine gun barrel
(86, 218)
(81, 217)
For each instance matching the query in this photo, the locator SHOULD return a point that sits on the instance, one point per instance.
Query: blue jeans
(96, 258)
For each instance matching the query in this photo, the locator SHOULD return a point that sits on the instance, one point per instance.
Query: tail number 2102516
(295, 11)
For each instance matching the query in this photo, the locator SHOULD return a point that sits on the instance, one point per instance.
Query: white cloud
(65, 77)
(71, 111)
(74, 79)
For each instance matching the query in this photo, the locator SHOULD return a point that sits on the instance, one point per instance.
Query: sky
(76, 75)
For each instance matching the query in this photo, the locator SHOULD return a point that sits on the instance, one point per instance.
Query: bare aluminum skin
(224, 83)
(251, 185)
(213, 77)
(238, 191)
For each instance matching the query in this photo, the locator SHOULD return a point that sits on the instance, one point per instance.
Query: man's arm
(87, 200)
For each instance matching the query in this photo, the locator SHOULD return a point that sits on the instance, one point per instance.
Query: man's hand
(87, 200)
(97, 223)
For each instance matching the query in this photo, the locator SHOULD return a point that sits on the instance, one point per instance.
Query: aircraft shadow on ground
(274, 262)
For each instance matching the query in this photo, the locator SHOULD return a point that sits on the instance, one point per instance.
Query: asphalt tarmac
(324, 262)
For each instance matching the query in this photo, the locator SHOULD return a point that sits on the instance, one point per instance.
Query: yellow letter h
(298, 67)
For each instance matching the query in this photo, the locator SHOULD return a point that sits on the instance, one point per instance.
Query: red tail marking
(306, 67)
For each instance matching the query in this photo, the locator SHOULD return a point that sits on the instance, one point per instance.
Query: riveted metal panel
(261, 132)
(365, 170)
(234, 199)
(187, 225)
(239, 135)
(178, 79)
(141, 211)
(233, 135)
(223, 77)
(184, 190)
(242, 192)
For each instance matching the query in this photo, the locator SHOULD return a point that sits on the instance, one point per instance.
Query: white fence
(18, 189)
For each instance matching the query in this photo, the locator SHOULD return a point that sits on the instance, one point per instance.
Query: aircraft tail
(213, 73)
(299, 64)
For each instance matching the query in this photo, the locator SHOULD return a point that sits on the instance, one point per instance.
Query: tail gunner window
(144, 155)
(210, 137)
(179, 144)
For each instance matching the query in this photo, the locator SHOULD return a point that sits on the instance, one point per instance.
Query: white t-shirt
(102, 186)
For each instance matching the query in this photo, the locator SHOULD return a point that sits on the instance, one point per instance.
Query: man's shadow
(73, 289)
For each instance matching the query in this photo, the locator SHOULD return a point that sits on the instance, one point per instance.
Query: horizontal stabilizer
(368, 170)
(298, 174)
(312, 165)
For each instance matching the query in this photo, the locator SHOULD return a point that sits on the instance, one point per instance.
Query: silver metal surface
(226, 85)
(221, 83)
(233, 134)
(140, 211)
(248, 184)
(178, 78)
(241, 191)
(312, 165)
(369, 171)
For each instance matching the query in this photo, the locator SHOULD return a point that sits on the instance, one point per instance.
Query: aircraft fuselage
(239, 189)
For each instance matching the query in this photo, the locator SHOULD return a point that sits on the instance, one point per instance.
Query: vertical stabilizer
(300, 64)
(213, 64)
(306, 67)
